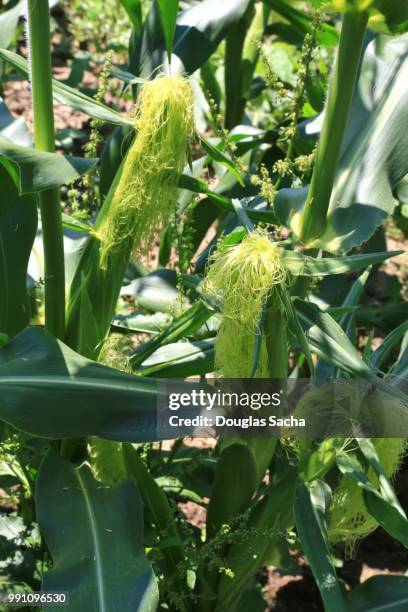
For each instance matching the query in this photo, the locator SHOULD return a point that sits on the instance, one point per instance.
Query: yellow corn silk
(139, 203)
(147, 189)
(333, 404)
(241, 278)
(349, 519)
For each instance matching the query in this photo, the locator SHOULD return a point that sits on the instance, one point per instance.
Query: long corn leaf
(50, 391)
(93, 531)
(311, 501)
(70, 96)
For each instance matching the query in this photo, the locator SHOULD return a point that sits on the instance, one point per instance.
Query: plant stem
(250, 52)
(44, 136)
(234, 45)
(338, 105)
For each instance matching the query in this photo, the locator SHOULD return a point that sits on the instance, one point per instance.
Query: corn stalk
(335, 118)
(40, 61)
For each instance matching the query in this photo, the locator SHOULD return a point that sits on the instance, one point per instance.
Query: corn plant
(290, 168)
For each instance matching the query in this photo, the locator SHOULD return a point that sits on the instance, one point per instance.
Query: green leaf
(321, 459)
(295, 326)
(257, 346)
(369, 452)
(183, 326)
(386, 16)
(310, 506)
(18, 224)
(252, 599)
(142, 322)
(326, 35)
(15, 129)
(392, 16)
(236, 479)
(8, 23)
(157, 507)
(400, 367)
(76, 224)
(112, 155)
(134, 10)
(67, 95)
(199, 30)
(352, 299)
(387, 515)
(242, 215)
(274, 513)
(126, 77)
(329, 341)
(181, 359)
(218, 156)
(168, 14)
(166, 244)
(175, 488)
(69, 395)
(299, 264)
(34, 171)
(380, 594)
(95, 536)
(371, 163)
(384, 316)
(193, 184)
(379, 356)
(156, 292)
(347, 322)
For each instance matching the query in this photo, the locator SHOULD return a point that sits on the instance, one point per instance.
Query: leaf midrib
(58, 380)
(94, 534)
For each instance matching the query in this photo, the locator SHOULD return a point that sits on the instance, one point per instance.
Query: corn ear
(236, 479)
(275, 514)
(242, 278)
(147, 189)
(138, 205)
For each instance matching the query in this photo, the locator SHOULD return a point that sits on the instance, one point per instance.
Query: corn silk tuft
(241, 278)
(147, 190)
(349, 520)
